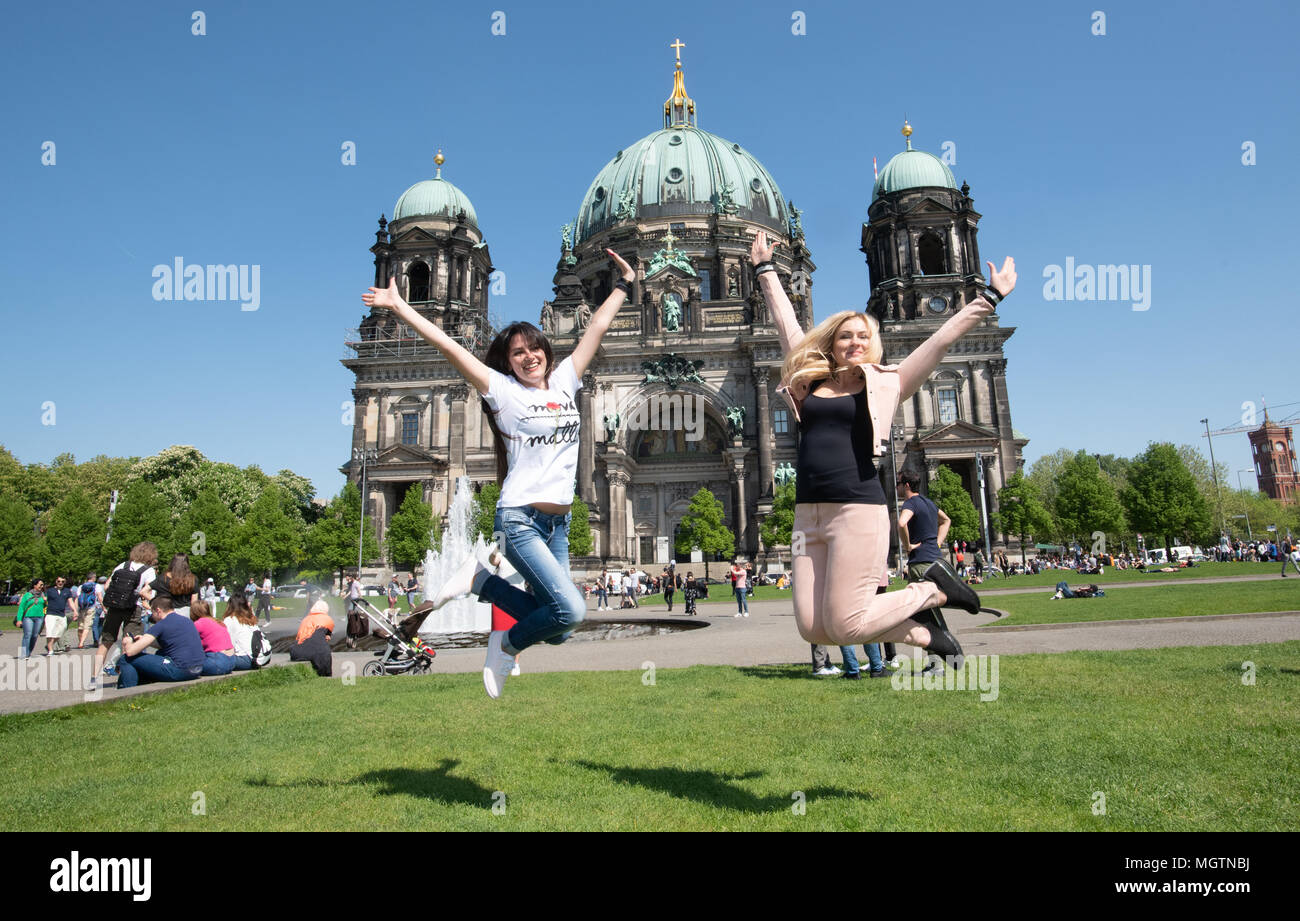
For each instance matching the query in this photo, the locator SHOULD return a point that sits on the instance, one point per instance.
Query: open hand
(761, 250)
(1003, 282)
(624, 269)
(382, 297)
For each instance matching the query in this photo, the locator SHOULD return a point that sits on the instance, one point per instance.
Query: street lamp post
(1239, 473)
(363, 456)
(1249, 535)
(1217, 497)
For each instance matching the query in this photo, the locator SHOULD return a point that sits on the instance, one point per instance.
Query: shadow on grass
(802, 672)
(429, 783)
(714, 789)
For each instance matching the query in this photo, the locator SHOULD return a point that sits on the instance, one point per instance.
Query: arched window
(930, 248)
(417, 282)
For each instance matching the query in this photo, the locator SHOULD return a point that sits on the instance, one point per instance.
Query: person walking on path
(60, 602)
(670, 585)
(844, 403)
(1293, 557)
(602, 592)
(264, 599)
(536, 427)
(31, 615)
(128, 585)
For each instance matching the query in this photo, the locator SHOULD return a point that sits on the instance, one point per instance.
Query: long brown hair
(238, 608)
(179, 580)
(498, 359)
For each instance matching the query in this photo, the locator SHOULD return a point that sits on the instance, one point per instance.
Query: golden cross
(668, 239)
(678, 44)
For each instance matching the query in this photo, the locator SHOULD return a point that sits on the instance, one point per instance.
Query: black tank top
(835, 461)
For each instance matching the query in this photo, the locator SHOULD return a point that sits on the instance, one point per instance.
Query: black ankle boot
(960, 595)
(942, 643)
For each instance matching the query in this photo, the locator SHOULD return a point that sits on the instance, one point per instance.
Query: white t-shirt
(145, 580)
(241, 635)
(266, 586)
(540, 429)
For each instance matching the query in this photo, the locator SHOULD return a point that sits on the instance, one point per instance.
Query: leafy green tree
(173, 472)
(947, 492)
(74, 541)
(142, 514)
(11, 474)
(411, 530)
(271, 537)
(1162, 497)
(331, 541)
(1021, 512)
(300, 491)
(778, 525)
(100, 475)
(1045, 471)
(485, 509)
(18, 543)
(1085, 501)
(209, 531)
(702, 526)
(581, 543)
(1199, 467)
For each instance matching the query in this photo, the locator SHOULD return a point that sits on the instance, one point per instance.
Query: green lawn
(1199, 571)
(1171, 737)
(1164, 601)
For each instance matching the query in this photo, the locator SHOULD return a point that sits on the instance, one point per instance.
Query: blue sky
(1123, 148)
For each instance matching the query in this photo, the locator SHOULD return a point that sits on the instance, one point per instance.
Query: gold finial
(669, 240)
(907, 132)
(440, 160)
(679, 108)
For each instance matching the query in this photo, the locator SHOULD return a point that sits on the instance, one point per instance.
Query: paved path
(768, 636)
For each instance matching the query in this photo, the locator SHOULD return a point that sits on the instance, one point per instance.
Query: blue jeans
(218, 663)
(537, 546)
(241, 663)
(1064, 589)
(742, 603)
(97, 624)
(31, 633)
(850, 660)
(146, 668)
(873, 656)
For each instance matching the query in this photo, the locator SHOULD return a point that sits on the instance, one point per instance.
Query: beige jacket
(886, 384)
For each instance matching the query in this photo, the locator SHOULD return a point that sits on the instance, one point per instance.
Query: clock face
(937, 304)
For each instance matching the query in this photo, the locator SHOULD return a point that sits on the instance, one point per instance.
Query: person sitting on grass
(312, 643)
(240, 623)
(218, 650)
(180, 651)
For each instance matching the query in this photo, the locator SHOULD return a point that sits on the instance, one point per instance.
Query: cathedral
(681, 205)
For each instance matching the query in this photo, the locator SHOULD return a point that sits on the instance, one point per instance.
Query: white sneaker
(826, 671)
(498, 666)
(460, 582)
(895, 663)
(514, 672)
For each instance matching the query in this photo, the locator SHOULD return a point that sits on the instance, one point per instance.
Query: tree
(777, 526)
(1199, 467)
(331, 540)
(581, 542)
(1045, 471)
(172, 471)
(1162, 497)
(702, 527)
(74, 540)
(270, 538)
(1085, 500)
(1021, 511)
(17, 539)
(209, 531)
(300, 491)
(142, 514)
(485, 509)
(947, 492)
(410, 532)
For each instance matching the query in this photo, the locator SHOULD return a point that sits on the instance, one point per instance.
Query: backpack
(120, 592)
(261, 649)
(86, 600)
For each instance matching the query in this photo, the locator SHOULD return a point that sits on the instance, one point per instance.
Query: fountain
(465, 615)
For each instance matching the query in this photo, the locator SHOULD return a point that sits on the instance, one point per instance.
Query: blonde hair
(811, 359)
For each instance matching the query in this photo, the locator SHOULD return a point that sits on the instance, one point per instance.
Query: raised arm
(916, 367)
(461, 358)
(586, 351)
(783, 315)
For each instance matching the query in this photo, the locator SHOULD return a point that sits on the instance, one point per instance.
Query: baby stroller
(405, 652)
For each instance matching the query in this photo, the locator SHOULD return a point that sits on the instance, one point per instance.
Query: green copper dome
(680, 170)
(434, 198)
(913, 169)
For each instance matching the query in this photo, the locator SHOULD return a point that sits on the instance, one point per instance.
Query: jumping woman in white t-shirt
(533, 409)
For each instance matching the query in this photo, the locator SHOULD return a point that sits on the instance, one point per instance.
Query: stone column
(587, 443)
(740, 517)
(765, 471)
(456, 442)
(618, 531)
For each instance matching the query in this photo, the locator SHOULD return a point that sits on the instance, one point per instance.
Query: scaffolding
(379, 340)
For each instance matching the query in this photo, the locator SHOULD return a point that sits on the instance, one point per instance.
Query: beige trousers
(840, 554)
